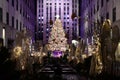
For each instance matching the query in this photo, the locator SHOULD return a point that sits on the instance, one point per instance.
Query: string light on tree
(57, 40)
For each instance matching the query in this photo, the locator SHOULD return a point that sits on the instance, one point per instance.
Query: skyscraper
(14, 16)
(47, 10)
(95, 12)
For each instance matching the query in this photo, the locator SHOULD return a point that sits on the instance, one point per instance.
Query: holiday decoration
(57, 41)
(96, 62)
(21, 50)
(17, 51)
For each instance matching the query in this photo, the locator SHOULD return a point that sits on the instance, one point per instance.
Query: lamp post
(3, 36)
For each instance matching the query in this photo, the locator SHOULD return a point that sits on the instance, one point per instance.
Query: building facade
(47, 11)
(94, 13)
(14, 16)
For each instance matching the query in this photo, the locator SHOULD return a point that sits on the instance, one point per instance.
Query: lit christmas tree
(57, 41)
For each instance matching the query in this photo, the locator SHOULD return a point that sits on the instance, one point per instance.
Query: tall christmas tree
(57, 40)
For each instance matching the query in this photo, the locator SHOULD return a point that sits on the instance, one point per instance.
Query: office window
(59, 10)
(12, 21)
(94, 9)
(55, 13)
(20, 8)
(102, 19)
(67, 22)
(67, 13)
(47, 10)
(91, 12)
(7, 18)
(1, 14)
(73, 5)
(20, 26)
(13, 3)
(64, 8)
(50, 9)
(97, 5)
(64, 24)
(23, 13)
(114, 14)
(50, 17)
(55, 9)
(107, 15)
(17, 5)
(102, 3)
(17, 24)
(67, 17)
(68, 8)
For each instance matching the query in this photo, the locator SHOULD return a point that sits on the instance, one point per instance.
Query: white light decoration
(17, 51)
(75, 42)
(47, 29)
(3, 36)
(57, 16)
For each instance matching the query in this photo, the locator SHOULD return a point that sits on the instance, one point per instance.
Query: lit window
(47, 29)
